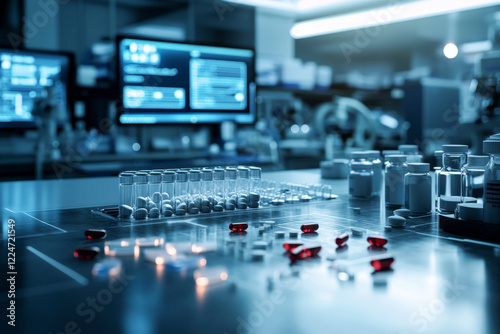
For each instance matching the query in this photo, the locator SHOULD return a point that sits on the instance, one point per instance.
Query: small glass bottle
(194, 205)
(473, 177)
(386, 153)
(254, 195)
(449, 179)
(141, 191)
(230, 188)
(395, 172)
(181, 191)
(418, 189)
(126, 191)
(168, 185)
(207, 190)
(243, 187)
(377, 166)
(361, 179)
(219, 186)
(437, 169)
(154, 188)
(491, 213)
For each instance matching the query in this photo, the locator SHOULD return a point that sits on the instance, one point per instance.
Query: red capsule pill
(95, 234)
(377, 241)
(303, 252)
(290, 246)
(342, 239)
(238, 227)
(86, 253)
(382, 263)
(308, 228)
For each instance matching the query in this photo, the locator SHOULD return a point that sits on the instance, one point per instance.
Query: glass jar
(219, 185)
(449, 178)
(141, 188)
(395, 172)
(126, 193)
(181, 188)
(473, 177)
(491, 213)
(360, 179)
(154, 188)
(167, 185)
(418, 189)
(194, 187)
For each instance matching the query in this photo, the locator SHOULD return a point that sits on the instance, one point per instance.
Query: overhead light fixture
(384, 15)
(476, 47)
(450, 51)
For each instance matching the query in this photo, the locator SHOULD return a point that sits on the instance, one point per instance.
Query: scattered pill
(253, 205)
(405, 213)
(293, 234)
(167, 212)
(205, 202)
(260, 245)
(140, 213)
(357, 231)
(180, 212)
(397, 221)
(308, 228)
(166, 202)
(86, 253)
(156, 197)
(382, 263)
(141, 202)
(342, 239)
(377, 241)
(303, 252)
(154, 212)
(125, 211)
(93, 234)
(238, 227)
(279, 234)
(182, 206)
(254, 197)
(262, 230)
(290, 246)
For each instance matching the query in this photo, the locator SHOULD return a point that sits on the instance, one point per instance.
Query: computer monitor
(25, 76)
(170, 82)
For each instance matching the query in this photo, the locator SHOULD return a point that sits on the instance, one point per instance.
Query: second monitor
(168, 82)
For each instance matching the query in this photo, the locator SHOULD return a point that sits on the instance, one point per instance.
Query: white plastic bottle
(395, 172)
(491, 199)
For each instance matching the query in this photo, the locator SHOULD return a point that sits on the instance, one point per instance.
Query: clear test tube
(219, 189)
(141, 191)
(207, 190)
(181, 192)
(230, 188)
(254, 194)
(243, 187)
(194, 204)
(126, 191)
(167, 185)
(154, 188)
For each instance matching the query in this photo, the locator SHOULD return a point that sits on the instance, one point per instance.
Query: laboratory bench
(438, 283)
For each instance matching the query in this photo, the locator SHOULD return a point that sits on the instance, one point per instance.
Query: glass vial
(361, 179)
(449, 178)
(243, 187)
(167, 185)
(181, 192)
(141, 191)
(395, 172)
(418, 189)
(491, 213)
(219, 188)
(126, 191)
(230, 188)
(194, 205)
(473, 178)
(207, 190)
(154, 188)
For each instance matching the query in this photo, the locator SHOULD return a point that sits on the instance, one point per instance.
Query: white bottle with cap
(491, 213)
(418, 189)
(449, 179)
(395, 172)
(373, 156)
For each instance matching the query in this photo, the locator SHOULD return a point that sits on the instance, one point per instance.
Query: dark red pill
(377, 241)
(95, 234)
(86, 253)
(382, 263)
(290, 246)
(303, 252)
(308, 228)
(238, 227)
(342, 239)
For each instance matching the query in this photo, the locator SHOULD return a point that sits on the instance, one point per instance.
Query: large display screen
(25, 76)
(168, 82)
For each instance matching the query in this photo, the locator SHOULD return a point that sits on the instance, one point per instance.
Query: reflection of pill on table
(258, 255)
(293, 234)
(86, 253)
(260, 245)
(279, 234)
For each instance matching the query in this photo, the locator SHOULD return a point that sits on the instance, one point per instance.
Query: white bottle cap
(359, 155)
(471, 211)
(455, 148)
(478, 160)
(365, 165)
(418, 167)
(438, 153)
(408, 148)
(492, 144)
(396, 158)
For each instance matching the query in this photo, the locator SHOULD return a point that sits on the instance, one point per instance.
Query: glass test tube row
(152, 193)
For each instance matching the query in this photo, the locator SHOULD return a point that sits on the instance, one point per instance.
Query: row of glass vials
(155, 193)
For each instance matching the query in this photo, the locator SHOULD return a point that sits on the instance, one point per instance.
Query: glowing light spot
(223, 276)
(159, 260)
(133, 47)
(106, 250)
(171, 250)
(137, 251)
(136, 147)
(202, 281)
(239, 97)
(124, 243)
(304, 128)
(295, 128)
(157, 95)
(203, 262)
(450, 51)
